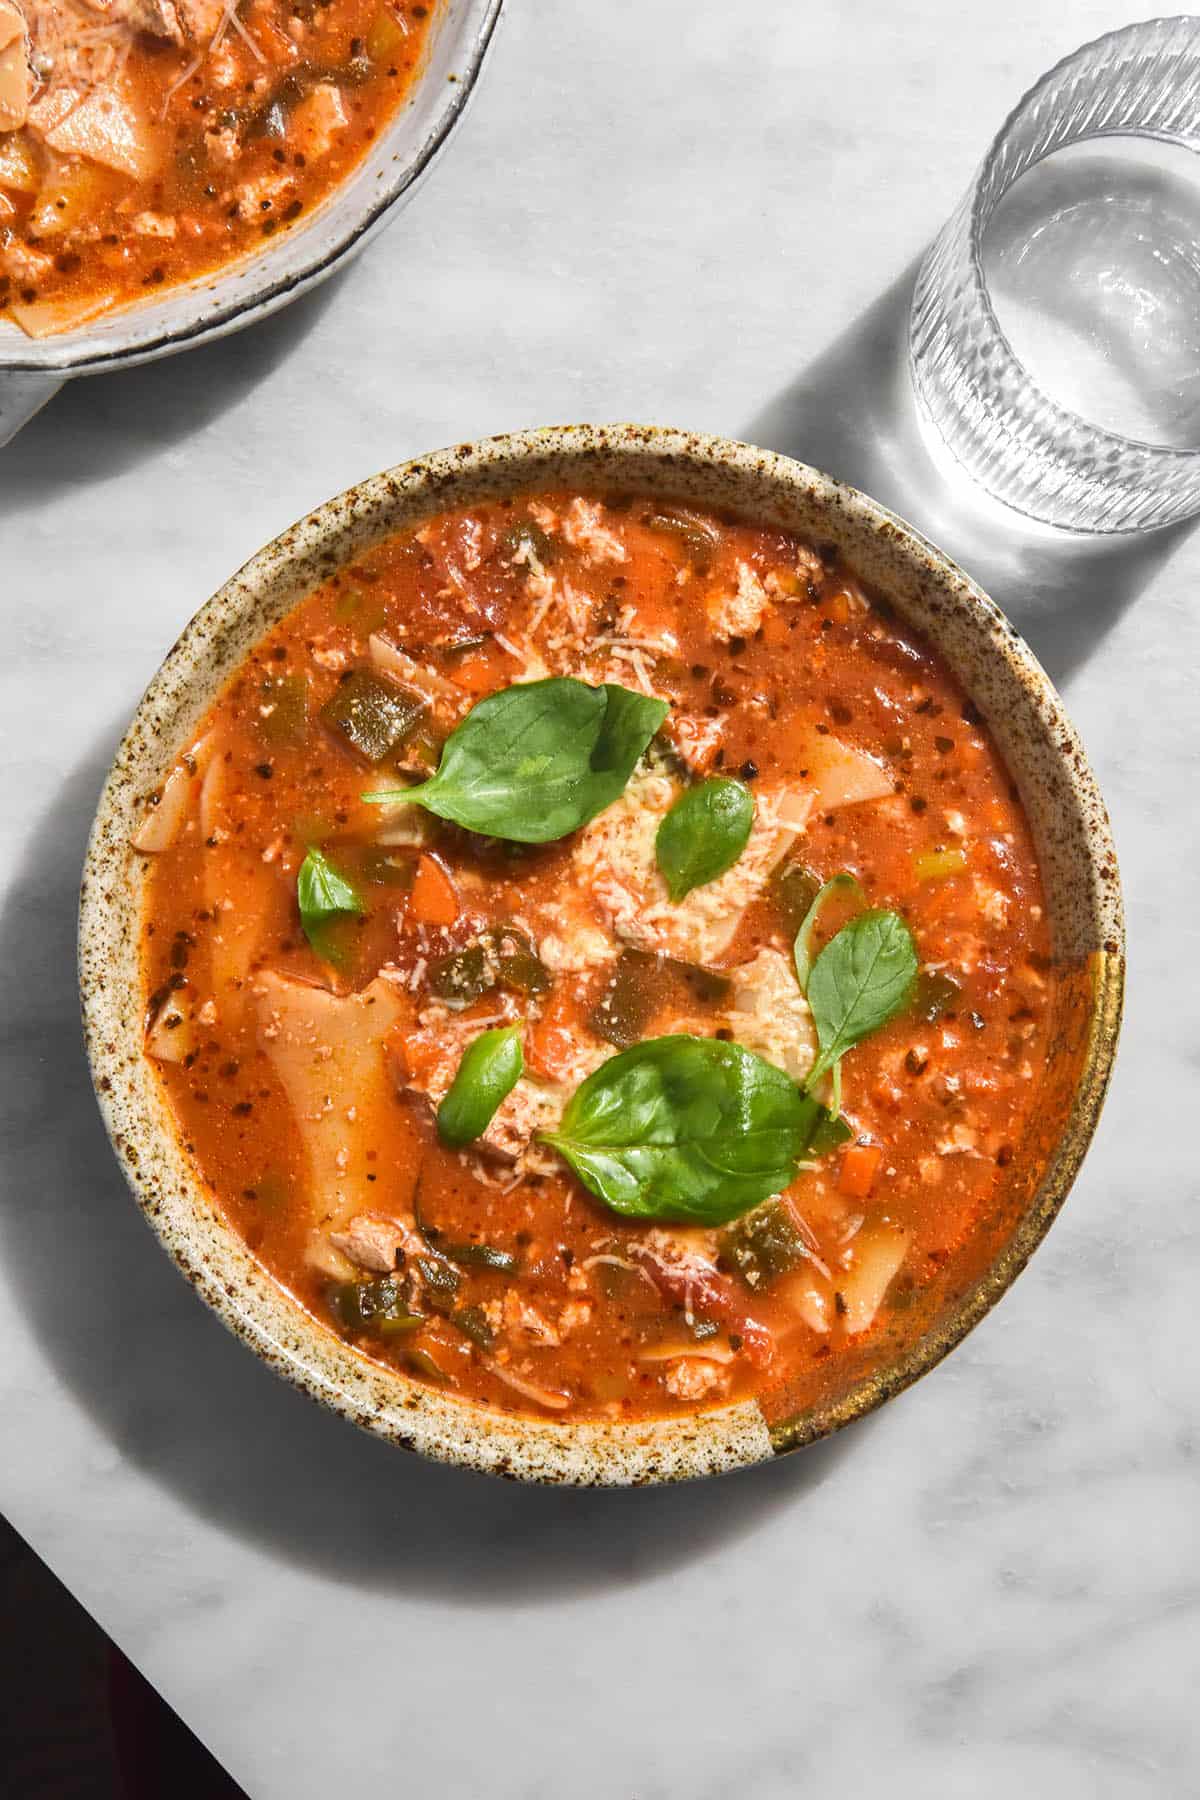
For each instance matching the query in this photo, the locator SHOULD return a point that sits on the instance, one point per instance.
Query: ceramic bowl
(32, 370)
(1043, 754)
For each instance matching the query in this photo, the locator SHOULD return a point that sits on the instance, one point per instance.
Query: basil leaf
(490, 1069)
(323, 896)
(802, 950)
(862, 978)
(535, 762)
(832, 1130)
(685, 1128)
(703, 834)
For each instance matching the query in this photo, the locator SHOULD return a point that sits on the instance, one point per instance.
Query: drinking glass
(1055, 331)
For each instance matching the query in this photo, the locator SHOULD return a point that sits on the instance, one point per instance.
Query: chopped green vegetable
(386, 869)
(421, 1363)
(372, 715)
(863, 977)
(624, 1010)
(520, 967)
(474, 1323)
(377, 1307)
(324, 896)
(934, 994)
(440, 1277)
(500, 956)
(490, 1068)
(526, 540)
(763, 1245)
(685, 1128)
(690, 529)
(283, 711)
(938, 865)
(461, 977)
(644, 984)
(538, 760)
(793, 889)
(703, 834)
(348, 603)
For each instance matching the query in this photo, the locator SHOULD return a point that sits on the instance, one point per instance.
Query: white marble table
(706, 215)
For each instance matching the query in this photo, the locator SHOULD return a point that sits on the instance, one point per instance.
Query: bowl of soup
(173, 169)
(601, 954)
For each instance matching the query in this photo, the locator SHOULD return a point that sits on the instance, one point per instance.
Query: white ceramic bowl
(32, 370)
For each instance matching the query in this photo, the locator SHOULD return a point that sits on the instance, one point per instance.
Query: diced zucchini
(373, 716)
(474, 1323)
(384, 870)
(644, 984)
(793, 887)
(520, 968)
(283, 711)
(462, 976)
(528, 540)
(441, 1277)
(934, 994)
(763, 1245)
(623, 1011)
(377, 1307)
(690, 530)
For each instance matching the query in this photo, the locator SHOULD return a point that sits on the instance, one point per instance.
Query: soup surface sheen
(316, 963)
(145, 142)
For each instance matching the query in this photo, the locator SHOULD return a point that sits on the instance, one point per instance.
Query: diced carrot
(482, 670)
(838, 605)
(433, 900)
(553, 1038)
(860, 1164)
(415, 1058)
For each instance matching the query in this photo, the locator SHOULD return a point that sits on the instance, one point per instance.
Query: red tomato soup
(671, 1041)
(145, 142)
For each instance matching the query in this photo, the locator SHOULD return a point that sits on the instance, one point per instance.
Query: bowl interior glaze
(1043, 754)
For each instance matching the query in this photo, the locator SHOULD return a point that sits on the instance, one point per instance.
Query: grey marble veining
(705, 216)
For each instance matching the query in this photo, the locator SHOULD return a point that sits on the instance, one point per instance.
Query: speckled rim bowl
(257, 284)
(1044, 756)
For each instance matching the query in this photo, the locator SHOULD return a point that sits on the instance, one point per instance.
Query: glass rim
(978, 222)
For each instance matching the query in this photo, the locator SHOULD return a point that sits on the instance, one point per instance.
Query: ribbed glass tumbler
(1005, 430)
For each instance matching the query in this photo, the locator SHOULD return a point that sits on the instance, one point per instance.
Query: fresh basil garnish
(844, 883)
(862, 978)
(490, 1069)
(685, 1128)
(536, 761)
(703, 834)
(323, 896)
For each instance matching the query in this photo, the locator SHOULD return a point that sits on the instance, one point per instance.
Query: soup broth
(339, 989)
